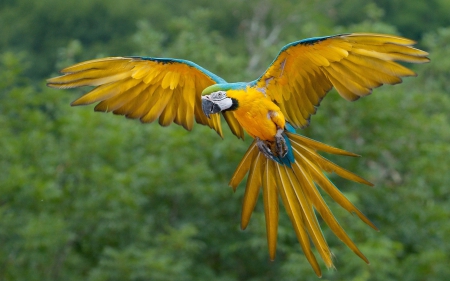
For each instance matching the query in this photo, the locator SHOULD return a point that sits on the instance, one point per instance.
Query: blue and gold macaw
(284, 164)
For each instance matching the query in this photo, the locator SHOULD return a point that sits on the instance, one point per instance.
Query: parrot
(280, 163)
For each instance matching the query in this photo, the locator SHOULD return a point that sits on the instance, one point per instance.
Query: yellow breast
(257, 114)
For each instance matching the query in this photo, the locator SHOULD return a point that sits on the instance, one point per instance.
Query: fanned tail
(298, 188)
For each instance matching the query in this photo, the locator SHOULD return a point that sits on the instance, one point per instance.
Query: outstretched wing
(354, 64)
(147, 89)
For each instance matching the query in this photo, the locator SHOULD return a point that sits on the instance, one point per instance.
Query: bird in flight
(279, 161)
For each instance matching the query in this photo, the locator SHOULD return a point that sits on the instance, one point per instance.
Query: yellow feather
(133, 109)
(244, 166)
(368, 38)
(270, 197)
(105, 91)
(408, 58)
(117, 101)
(313, 95)
(366, 69)
(297, 193)
(252, 188)
(88, 77)
(305, 106)
(295, 215)
(329, 166)
(332, 54)
(321, 84)
(234, 125)
(299, 96)
(276, 92)
(322, 208)
(382, 62)
(160, 103)
(342, 90)
(181, 110)
(169, 113)
(166, 80)
(64, 82)
(214, 121)
(200, 117)
(316, 145)
(104, 63)
(300, 99)
(142, 104)
(186, 114)
(189, 95)
(317, 59)
(175, 80)
(356, 75)
(345, 78)
(339, 51)
(189, 118)
(333, 191)
(217, 124)
(392, 48)
(182, 77)
(290, 108)
(284, 86)
(140, 71)
(154, 75)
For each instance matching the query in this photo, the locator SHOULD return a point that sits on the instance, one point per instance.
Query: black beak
(209, 107)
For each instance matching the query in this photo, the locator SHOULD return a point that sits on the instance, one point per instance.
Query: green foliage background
(89, 196)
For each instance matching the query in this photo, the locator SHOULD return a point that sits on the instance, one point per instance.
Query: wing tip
(79, 102)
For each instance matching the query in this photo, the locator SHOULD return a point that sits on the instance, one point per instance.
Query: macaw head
(216, 102)
(215, 99)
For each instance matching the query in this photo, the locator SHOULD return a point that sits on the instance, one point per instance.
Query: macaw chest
(255, 116)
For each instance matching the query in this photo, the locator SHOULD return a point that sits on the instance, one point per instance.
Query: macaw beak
(209, 107)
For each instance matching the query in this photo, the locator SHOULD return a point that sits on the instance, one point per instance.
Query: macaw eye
(218, 95)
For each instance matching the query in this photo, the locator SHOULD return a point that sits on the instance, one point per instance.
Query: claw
(264, 147)
(273, 150)
(280, 142)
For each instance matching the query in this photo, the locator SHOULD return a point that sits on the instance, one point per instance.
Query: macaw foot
(265, 148)
(280, 142)
(273, 150)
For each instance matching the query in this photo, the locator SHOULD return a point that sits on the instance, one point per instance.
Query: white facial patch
(220, 98)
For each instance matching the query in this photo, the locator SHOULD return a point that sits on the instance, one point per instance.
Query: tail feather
(296, 215)
(244, 166)
(296, 193)
(270, 197)
(297, 185)
(254, 182)
(324, 210)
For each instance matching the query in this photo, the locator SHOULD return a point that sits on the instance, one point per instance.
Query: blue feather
(224, 87)
(288, 159)
(288, 127)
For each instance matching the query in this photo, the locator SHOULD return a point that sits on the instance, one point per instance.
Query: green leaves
(91, 196)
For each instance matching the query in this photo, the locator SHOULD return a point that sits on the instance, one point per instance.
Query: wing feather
(145, 88)
(354, 64)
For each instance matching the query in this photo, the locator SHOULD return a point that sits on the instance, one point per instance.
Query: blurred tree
(89, 196)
